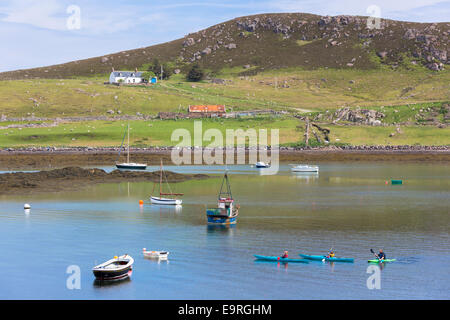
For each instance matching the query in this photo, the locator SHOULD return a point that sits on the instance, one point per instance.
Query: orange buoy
(141, 202)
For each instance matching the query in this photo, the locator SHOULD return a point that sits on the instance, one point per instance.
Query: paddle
(323, 260)
(371, 250)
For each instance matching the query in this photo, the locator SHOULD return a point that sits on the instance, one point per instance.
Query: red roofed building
(208, 110)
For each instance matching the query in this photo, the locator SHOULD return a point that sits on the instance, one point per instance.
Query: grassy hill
(302, 64)
(293, 90)
(272, 41)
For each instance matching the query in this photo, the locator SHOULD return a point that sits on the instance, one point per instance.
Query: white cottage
(126, 77)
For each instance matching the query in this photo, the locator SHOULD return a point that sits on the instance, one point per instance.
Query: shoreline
(40, 158)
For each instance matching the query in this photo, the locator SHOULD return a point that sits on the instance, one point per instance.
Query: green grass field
(159, 133)
(399, 94)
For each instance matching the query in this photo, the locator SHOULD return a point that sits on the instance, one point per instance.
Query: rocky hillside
(270, 41)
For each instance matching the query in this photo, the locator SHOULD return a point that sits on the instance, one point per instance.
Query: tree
(147, 75)
(155, 67)
(196, 73)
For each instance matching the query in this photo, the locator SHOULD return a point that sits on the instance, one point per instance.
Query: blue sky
(34, 33)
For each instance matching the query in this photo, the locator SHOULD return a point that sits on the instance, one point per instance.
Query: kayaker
(330, 254)
(381, 255)
(285, 255)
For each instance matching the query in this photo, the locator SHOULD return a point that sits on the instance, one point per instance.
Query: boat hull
(381, 261)
(162, 255)
(166, 201)
(132, 167)
(215, 218)
(113, 275)
(305, 169)
(279, 259)
(321, 258)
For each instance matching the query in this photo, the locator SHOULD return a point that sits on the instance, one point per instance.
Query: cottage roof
(127, 74)
(207, 108)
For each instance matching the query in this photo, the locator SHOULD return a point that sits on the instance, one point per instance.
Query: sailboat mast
(128, 153)
(160, 179)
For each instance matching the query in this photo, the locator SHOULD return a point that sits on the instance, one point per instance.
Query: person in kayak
(285, 255)
(330, 254)
(381, 255)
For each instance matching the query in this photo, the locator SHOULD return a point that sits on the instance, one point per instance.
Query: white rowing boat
(155, 254)
(114, 269)
(304, 168)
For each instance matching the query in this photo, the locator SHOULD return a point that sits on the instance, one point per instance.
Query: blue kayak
(279, 259)
(321, 258)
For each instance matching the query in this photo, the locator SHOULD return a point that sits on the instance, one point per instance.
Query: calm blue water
(347, 206)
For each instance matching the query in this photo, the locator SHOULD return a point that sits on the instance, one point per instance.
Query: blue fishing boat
(227, 211)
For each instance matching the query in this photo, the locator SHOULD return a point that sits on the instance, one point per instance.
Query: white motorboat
(114, 269)
(173, 200)
(262, 164)
(128, 164)
(163, 255)
(304, 168)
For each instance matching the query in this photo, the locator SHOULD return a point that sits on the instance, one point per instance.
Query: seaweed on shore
(66, 178)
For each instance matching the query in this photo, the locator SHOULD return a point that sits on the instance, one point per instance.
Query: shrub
(196, 73)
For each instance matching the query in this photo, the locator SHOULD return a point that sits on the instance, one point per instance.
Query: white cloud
(44, 14)
(95, 19)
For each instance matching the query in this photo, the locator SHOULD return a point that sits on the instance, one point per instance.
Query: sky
(36, 33)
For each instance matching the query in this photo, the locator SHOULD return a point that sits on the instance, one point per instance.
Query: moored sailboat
(227, 212)
(128, 164)
(169, 198)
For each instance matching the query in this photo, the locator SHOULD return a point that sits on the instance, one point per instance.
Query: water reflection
(157, 260)
(111, 283)
(165, 210)
(306, 176)
(280, 265)
(264, 172)
(221, 229)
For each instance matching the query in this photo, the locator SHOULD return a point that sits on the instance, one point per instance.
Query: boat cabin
(226, 205)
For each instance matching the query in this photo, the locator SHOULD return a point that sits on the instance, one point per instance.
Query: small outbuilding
(208, 110)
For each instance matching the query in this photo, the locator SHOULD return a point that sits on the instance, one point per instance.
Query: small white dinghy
(163, 255)
(304, 168)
